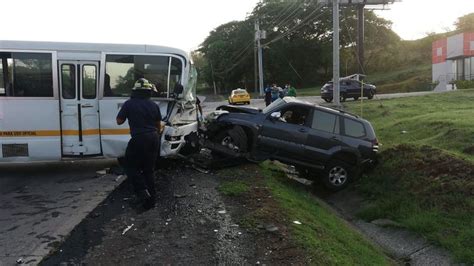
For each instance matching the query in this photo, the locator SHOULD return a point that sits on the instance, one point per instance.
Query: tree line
(298, 46)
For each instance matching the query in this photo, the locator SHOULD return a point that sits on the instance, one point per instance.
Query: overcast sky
(180, 23)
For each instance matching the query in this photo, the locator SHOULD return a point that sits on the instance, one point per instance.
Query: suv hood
(238, 109)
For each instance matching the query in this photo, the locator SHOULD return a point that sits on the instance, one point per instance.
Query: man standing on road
(144, 119)
(268, 95)
(291, 91)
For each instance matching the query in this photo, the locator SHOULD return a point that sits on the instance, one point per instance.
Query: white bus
(60, 100)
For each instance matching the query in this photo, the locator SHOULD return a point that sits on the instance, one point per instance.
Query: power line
(225, 71)
(301, 24)
(352, 41)
(289, 17)
(282, 13)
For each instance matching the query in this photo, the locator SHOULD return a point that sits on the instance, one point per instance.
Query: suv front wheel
(337, 175)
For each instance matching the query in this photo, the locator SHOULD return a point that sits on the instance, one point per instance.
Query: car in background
(239, 96)
(350, 87)
(322, 143)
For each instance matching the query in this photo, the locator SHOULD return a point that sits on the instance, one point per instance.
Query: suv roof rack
(340, 111)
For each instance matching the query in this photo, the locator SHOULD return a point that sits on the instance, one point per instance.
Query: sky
(182, 24)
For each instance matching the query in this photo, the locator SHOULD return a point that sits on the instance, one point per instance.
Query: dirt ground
(193, 223)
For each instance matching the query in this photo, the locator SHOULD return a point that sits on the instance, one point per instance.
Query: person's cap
(144, 84)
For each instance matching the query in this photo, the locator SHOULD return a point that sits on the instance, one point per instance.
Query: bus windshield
(121, 72)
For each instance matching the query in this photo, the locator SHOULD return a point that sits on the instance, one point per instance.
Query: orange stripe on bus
(57, 133)
(36, 133)
(84, 132)
(117, 131)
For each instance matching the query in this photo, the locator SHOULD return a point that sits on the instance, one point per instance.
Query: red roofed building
(453, 59)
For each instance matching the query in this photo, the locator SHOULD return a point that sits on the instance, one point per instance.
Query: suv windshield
(273, 105)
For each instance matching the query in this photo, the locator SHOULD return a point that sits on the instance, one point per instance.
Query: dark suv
(318, 141)
(349, 88)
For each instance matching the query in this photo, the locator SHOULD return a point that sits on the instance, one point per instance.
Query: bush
(464, 84)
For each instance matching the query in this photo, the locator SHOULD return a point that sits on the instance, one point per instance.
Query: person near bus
(275, 92)
(268, 95)
(144, 119)
(291, 91)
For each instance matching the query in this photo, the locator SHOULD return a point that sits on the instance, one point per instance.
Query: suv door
(284, 137)
(353, 89)
(323, 137)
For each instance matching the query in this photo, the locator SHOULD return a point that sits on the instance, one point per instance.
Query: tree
(228, 51)
(298, 47)
(465, 23)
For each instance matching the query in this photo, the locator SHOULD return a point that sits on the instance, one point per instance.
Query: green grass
(327, 238)
(312, 91)
(426, 179)
(233, 188)
(426, 191)
(444, 121)
(382, 78)
(415, 78)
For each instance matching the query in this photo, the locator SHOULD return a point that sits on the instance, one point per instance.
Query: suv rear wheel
(370, 96)
(337, 175)
(328, 100)
(343, 97)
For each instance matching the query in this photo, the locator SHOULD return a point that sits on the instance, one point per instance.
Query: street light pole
(335, 48)
(258, 36)
(360, 38)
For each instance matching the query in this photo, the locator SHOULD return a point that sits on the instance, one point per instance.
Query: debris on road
(199, 169)
(126, 229)
(119, 178)
(101, 172)
(271, 228)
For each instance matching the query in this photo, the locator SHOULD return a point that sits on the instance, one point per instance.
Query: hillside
(425, 181)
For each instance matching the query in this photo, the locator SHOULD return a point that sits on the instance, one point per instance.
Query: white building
(453, 59)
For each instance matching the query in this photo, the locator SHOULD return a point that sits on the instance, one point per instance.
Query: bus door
(79, 108)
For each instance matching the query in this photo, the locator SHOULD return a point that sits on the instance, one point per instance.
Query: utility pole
(335, 48)
(255, 64)
(258, 36)
(360, 38)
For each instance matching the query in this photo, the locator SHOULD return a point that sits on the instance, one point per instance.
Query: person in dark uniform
(268, 95)
(144, 119)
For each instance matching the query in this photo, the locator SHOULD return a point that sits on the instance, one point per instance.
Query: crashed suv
(320, 142)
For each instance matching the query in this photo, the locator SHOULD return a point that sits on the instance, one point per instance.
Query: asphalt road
(41, 203)
(259, 103)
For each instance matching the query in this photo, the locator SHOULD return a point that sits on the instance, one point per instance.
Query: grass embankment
(327, 238)
(416, 78)
(426, 179)
(273, 198)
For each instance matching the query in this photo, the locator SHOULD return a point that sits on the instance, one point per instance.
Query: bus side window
(175, 73)
(26, 74)
(2, 82)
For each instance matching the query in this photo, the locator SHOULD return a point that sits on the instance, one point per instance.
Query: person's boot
(148, 202)
(143, 195)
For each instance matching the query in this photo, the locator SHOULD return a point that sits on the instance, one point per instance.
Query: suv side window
(296, 115)
(325, 121)
(353, 128)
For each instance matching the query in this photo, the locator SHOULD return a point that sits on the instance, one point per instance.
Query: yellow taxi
(239, 96)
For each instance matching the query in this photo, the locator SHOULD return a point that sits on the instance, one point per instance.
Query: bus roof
(90, 47)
